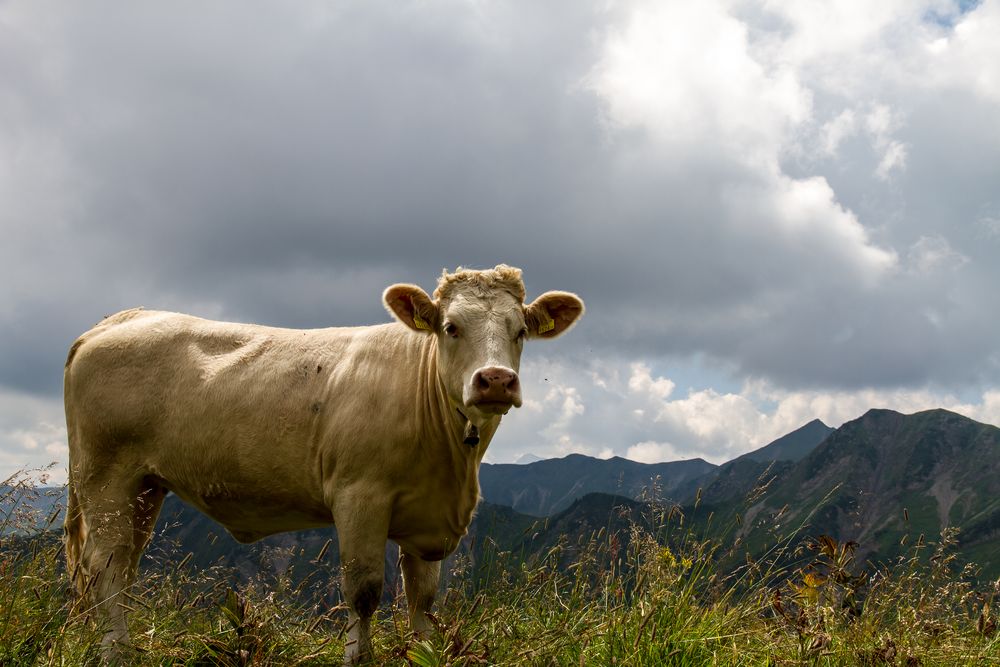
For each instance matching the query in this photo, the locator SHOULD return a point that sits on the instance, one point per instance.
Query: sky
(774, 211)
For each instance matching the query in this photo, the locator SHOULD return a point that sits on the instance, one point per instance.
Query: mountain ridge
(547, 487)
(885, 477)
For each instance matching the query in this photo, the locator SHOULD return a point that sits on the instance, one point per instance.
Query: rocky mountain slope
(888, 476)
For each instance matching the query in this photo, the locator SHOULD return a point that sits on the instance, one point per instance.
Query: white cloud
(683, 72)
(805, 215)
(881, 123)
(989, 226)
(714, 425)
(969, 57)
(933, 253)
(32, 435)
(652, 452)
(716, 421)
(893, 159)
(641, 382)
(687, 75)
(567, 401)
(821, 29)
(835, 131)
(852, 49)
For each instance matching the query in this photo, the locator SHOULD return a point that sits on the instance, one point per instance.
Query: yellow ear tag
(420, 323)
(548, 325)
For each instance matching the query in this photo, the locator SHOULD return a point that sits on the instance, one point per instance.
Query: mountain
(547, 487)
(886, 476)
(792, 447)
(735, 479)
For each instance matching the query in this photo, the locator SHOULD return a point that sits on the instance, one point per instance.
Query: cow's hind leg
(420, 581)
(119, 514)
(146, 510)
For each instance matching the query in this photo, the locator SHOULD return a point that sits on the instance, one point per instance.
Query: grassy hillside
(886, 478)
(638, 586)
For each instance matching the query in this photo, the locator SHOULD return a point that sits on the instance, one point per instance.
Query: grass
(652, 595)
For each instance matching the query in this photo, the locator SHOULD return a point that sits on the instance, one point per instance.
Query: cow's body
(263, 428)
(269, 430)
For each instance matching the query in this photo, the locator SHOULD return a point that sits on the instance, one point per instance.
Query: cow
(376, 430)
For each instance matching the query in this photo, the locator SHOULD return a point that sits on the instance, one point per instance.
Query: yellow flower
(813, 580)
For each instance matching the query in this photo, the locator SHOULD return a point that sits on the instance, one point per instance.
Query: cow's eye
(521, 335)
(451, 330)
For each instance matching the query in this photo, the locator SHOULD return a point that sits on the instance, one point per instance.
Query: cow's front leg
(420, 581)
(362, 527)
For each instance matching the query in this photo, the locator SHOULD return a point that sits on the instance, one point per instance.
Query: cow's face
(481, 323)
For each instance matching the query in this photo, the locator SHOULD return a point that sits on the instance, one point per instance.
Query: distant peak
(881, 411)
(941, 412)
(791, 446)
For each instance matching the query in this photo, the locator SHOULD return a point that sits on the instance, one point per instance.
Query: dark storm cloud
(283, 164)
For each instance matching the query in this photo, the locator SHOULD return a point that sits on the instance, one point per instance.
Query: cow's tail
(74, 537)
(74, 525)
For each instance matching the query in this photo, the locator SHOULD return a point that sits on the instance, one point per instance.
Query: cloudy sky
(775, 211)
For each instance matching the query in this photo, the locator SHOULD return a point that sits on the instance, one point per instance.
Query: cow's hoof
(358, 655)
(116, 652)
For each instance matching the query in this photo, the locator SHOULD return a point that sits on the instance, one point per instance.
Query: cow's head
(481, 322)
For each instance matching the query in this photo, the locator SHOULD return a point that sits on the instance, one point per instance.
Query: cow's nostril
(482, 382)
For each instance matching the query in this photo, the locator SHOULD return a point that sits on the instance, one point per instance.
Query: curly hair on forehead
(481, 282)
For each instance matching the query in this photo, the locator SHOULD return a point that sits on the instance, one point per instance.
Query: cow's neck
(448, 422)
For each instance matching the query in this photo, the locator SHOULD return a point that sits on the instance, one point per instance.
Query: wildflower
(667, 557)
(808, 591)
(813, 580)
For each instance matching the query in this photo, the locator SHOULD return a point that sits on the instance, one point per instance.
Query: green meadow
(655, 593)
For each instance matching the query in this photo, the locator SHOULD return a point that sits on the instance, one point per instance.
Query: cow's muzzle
(494, 389)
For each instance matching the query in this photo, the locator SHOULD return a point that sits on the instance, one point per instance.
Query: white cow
(378, 430)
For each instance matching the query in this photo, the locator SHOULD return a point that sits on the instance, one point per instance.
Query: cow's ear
(411, 306)
(552, 313)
